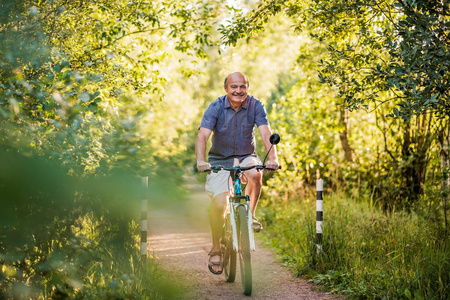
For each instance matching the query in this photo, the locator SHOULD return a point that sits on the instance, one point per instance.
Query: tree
(399, 47)
(98, 69)
(81, 90)
(378, 53)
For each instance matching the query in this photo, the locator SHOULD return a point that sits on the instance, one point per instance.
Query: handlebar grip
(204, 171)
(279, 168)
(213, 169)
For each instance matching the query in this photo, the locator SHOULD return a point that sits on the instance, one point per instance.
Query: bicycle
(237, 234)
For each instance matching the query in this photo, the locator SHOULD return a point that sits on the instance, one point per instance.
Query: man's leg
(217, 188)
(253, 189)
(216, 220)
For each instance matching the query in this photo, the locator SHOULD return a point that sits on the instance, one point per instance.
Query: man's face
(236, 88)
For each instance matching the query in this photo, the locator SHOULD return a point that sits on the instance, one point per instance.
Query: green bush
(65, 236)
(366, 254)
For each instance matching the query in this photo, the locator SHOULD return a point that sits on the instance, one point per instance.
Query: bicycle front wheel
(229, 255)
(244, 251)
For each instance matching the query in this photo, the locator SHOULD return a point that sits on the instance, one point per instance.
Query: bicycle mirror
(274, 139)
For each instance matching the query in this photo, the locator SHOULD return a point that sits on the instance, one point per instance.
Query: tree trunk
(415, 161)
(343, 120)
(407, 168)
(444, 141)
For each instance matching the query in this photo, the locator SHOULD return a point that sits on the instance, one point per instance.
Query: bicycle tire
(229, 254)
(244, 251)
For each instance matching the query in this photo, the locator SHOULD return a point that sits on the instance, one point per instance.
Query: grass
(89, 265)
(366, 254)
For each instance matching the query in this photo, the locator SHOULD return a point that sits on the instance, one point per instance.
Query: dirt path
(179, 238)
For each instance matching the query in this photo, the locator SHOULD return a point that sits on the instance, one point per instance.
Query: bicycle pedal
(257, 226)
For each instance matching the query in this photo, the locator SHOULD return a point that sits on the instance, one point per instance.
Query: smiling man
(232, 119)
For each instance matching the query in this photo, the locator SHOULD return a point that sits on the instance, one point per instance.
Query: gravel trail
(179, 239)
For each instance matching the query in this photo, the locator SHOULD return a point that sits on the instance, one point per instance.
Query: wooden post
(319, 214)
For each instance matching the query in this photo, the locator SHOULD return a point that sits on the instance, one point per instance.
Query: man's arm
(272, 161)
(200, 149)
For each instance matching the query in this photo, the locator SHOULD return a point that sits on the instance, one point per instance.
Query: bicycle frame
(238, 207)
(235, 201)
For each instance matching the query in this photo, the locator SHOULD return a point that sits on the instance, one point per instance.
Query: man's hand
(272, 164)
(202, 166)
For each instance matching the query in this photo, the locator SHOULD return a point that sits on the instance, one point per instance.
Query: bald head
(236, 75)
(236, 85)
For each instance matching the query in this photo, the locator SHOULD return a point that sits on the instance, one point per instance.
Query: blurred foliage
(69, 236)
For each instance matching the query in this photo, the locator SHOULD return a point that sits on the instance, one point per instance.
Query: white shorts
(220, 182)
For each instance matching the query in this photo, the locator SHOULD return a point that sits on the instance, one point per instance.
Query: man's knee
(254, 177)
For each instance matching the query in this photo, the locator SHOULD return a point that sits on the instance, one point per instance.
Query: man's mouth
(240, 95)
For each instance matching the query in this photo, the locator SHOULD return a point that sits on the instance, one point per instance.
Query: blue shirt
(233, 131)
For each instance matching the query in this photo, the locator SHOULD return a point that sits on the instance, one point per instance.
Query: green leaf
(408, 294)
(396, 112)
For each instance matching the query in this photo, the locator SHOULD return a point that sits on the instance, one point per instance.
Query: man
(232, 118)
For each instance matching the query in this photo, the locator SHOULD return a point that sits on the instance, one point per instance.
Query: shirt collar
(244, 104)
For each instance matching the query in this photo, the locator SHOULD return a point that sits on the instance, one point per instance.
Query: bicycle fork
(233, 226)
(233, 207)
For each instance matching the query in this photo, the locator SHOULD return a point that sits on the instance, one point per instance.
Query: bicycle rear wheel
(244, 251)
(229, 255)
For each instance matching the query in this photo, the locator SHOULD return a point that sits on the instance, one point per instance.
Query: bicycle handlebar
(274, 139)
(238, 168)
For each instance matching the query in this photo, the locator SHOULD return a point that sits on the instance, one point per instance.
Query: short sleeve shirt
(233, 131)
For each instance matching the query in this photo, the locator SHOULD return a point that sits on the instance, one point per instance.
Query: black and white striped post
(144, 214)
(319, 214)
